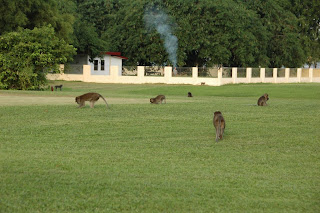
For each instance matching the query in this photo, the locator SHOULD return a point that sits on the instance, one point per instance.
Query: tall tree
(209, 32)
(36, 13)
(226, 32)
(308, 15)
(126, 32)
(285, 44)
(91, 22)
(220, 32)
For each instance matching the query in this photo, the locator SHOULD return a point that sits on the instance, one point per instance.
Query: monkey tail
(105, 101)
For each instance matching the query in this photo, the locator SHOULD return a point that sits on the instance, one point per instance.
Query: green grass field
(139, 157)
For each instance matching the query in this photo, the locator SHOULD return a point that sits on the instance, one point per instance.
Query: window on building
(102, 64)
(95, 63)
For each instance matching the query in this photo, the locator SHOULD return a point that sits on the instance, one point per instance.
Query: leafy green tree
(27, 55)
(285, 43)
(65, 20)
(126, 32)
(87, 40)
(308, 15)
(220, 32)
(209, 32)
(91, 21)
(225, 32)
(37, 13)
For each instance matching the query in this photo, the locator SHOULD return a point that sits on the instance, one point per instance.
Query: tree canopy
(270, 33)
(225, 32)
(27, 55)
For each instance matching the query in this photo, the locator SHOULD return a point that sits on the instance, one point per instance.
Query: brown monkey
(92, 97)
(220, 124)
(158, 99)
(262, 101)
(189, 94)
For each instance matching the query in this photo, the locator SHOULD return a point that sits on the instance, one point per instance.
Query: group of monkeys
(220, 124)
(218, 120)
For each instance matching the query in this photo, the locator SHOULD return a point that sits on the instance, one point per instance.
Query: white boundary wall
(302, 75)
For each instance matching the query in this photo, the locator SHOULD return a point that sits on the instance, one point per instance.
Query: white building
(100, 65)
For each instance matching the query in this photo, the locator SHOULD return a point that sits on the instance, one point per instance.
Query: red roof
(115, 54)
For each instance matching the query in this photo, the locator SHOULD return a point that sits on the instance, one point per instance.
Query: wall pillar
(275, 75)
(262, 74)
(249, 74)
(86, 73)
(167, 74)
(299, 73)
(114, 72)
(287, 74)
(220, 76)
(195, 75)
(311, 74)
(195, 72)
(140, 73)
(234, 74)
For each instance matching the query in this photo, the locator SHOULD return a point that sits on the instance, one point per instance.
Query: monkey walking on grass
(220, 124)
(158, 99)
(58, 86)
(262, 101)
(92, 97)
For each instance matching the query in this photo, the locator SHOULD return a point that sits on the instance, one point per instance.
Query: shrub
(27, 55)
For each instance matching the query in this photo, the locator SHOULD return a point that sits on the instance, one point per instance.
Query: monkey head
(78, 100)
(266, 96)
(217, 113)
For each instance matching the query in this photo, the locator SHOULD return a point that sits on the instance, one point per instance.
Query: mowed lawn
(140, 157)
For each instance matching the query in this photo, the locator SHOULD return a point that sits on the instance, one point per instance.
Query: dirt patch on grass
(9, 100)
(19, 100)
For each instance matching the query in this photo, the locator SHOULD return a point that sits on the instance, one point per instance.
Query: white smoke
(157, 19)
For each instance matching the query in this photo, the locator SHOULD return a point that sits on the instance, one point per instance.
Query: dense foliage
(27, 55)
(271, 33)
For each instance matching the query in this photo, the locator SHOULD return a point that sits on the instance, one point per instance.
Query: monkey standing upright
(262, 101)
(92, 97)
(220, 124)
(158, 99)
